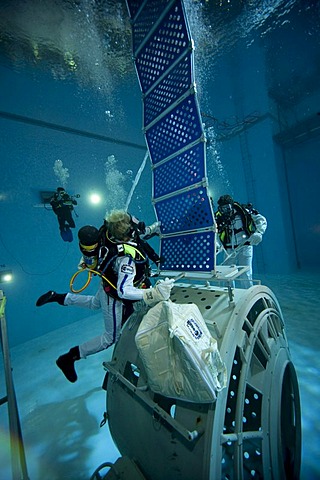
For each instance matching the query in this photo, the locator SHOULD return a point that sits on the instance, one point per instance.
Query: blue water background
(258, 88)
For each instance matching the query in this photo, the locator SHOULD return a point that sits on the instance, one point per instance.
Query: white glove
(159, 293)
(255, 238)
(153, 229)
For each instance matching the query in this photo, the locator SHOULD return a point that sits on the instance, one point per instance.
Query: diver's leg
(245, 260)
(61, 221)
(92, 302)
(66, 361)
(112, 316)
(71, 222)
(85, 301)
(69, 219)
(229, 259)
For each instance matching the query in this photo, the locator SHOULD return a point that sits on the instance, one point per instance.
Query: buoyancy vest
(225, 228)
(110, 252)
(59, 201)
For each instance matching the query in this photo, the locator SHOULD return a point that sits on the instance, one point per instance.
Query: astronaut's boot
(51, 297)
(66, 363)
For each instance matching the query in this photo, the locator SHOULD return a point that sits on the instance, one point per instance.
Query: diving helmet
(225, 203)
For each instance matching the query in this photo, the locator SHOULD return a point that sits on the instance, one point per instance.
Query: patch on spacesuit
(127, 269)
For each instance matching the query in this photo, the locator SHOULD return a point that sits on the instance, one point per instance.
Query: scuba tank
(89, 245)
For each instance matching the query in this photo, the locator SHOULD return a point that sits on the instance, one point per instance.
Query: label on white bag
(194, 328)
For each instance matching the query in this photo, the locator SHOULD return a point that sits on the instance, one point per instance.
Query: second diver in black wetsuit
(62, 205)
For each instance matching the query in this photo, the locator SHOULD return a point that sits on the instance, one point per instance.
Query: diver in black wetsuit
(62, 205)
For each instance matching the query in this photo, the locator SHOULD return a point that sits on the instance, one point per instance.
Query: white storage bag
(179, 354)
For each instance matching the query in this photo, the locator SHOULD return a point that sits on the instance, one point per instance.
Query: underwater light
(95, 198)
(6, 276)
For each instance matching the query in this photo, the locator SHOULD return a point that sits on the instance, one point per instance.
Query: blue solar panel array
(163, 55)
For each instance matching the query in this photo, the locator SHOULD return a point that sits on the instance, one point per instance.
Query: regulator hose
(90, 273)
